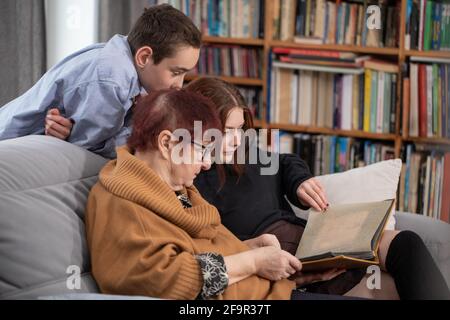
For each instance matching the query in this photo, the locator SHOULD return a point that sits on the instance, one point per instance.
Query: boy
(94, 89)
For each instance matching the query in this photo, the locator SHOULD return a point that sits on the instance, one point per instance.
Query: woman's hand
(263, 240)
(275, 264)
(302, 279)
(311, 193)
(56, 125)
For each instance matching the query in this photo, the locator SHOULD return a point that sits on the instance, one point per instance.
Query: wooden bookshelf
(399, 55)
(234, 80)
(431, 140)
(337, 132)
(429, 54)
(237, 41)
(337, 47)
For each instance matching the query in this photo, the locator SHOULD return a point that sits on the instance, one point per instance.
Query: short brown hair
(169, 109)
(164, 29)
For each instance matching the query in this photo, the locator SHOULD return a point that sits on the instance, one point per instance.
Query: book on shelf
(427, 25)
(308, 40)
(365, 101)
(229, 61)
(429, 100)
(425, 182)
(254, 98)
(224, 18)
(380, 65)
(327, 154)
(331, 22)
(322, 62)
(346, 236)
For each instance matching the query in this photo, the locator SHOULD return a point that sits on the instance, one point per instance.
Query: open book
(346, 236)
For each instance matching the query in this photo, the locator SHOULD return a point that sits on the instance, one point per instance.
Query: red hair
(225, 97)
(169, 109)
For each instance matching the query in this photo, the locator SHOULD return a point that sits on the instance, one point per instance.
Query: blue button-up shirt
(94, 86)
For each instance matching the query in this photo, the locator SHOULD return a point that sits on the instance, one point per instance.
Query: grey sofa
(44, 184)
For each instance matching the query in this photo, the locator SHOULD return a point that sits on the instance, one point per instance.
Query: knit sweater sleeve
(131, 255)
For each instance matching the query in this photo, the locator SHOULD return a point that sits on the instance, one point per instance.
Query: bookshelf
(399, 54)
(234, 80)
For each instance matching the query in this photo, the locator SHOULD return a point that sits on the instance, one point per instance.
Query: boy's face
(169, 73)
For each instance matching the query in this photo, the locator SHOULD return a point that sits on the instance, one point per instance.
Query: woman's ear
(143, 56)
(164, 143)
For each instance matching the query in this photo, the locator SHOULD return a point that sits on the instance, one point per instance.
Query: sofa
(44, 185)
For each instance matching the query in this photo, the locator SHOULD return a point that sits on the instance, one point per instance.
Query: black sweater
(256, 201)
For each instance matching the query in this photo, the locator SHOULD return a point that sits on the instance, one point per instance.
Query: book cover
(346, 235)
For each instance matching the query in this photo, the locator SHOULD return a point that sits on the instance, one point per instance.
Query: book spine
(373, 102)
(367, 98)
(393, 104)
(428, 25)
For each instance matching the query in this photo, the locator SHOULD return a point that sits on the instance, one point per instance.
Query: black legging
(415, 273)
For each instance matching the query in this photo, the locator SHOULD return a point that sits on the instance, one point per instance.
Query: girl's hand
(311, 193)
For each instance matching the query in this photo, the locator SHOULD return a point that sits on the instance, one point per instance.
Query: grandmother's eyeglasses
(205, 150)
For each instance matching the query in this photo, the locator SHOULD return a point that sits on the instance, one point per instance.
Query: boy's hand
(56, 125)
(311, 193)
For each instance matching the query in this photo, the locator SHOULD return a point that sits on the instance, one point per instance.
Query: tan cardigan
(142, 241)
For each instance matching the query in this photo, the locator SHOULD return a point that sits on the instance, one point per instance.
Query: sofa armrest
(434, 233)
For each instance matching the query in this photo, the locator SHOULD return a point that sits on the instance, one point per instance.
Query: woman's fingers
(290, 270)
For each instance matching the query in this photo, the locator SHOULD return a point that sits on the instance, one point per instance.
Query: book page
(343, 228)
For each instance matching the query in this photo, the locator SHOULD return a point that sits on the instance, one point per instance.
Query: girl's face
(232, 135)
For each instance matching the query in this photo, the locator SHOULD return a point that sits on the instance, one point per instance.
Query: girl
(251, 204)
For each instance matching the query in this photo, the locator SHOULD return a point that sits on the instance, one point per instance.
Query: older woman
(151, 233)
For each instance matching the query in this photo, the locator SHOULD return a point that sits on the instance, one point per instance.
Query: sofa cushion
(375, 182)
(44, 185)
(434, 233)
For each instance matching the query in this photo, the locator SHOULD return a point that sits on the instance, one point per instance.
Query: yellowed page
(342, 228)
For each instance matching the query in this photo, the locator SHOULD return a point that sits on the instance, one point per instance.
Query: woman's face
(192, 159)
(232, 135)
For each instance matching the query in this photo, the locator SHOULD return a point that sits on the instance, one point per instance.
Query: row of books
(331, 22)
(427, 25)
(363, 101)
(254, 98)
(223, 18)
(231, 61)
(427, 96)
(425, 182)
(331, 154)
